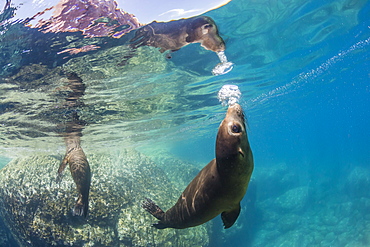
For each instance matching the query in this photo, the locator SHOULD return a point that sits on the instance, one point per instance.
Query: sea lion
(75, 156)
(219, 186)
(174, 35)
(80, 170)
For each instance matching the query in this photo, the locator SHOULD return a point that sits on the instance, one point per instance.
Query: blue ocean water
(303, 68)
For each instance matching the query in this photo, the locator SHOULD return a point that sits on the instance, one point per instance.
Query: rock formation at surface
(93, 18)
(52, 39)
(37, 209)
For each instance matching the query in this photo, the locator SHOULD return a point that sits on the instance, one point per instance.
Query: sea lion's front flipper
(229, 218)
(156, 211)
(142, 37)
(62, 167)
(153, 209)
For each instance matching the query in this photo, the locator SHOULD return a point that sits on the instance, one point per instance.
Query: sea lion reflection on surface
(174, 35)
(220, 186)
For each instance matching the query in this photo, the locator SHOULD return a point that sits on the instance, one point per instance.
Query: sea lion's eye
(208, 26)
(236, 128)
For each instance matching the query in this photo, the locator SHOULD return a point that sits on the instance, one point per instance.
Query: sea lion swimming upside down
(220, 186)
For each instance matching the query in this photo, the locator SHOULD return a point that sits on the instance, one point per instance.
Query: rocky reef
(37, 208)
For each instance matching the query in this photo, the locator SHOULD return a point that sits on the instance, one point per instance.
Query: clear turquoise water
(303, 68)
(304, 71)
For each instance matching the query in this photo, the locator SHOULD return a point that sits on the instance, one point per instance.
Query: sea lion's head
(203, 30)
(232, 141)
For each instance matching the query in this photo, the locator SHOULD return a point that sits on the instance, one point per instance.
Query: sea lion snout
(203, 30)
(233, 132)
(236, 110)
(235, 118)
(213, 43)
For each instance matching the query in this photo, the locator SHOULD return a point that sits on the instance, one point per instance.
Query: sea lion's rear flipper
(229, 218)
(81, 207)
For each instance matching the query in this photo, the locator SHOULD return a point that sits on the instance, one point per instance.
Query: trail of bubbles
(305, 77)
(223, 67)
(229, 95)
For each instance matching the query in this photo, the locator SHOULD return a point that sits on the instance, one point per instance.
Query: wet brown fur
(80, 170)
(220, 186)
(75, 156)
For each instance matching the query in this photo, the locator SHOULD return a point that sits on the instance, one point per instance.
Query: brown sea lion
(220, 186)
(174, 35)
(80, 170)
(75, 156)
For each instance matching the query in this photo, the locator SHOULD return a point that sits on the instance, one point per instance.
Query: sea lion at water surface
(174, 35)
(219, 186)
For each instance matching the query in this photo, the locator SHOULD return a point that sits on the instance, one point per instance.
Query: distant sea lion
(220, 186)
(81, 174)
(174, 35)
(75, 156)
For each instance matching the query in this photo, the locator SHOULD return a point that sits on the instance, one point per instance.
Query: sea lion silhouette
(174, 35)
(219, 186)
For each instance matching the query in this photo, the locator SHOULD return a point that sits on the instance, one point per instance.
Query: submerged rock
(358, 179)
(294, 199)
(179, 172)
(275, 180)
(38, 209)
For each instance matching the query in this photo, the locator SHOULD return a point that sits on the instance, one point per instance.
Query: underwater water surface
(303, 69)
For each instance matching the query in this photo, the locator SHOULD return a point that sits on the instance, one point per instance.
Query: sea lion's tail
(82, 206)
(156, 211)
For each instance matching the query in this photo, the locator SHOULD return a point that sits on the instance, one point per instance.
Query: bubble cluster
(223, 67)
(229, 95)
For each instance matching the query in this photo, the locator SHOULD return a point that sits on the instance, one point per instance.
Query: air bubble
(229, 95)
(223, 67)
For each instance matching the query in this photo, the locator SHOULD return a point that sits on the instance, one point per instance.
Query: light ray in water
(304, 78)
